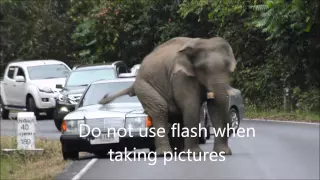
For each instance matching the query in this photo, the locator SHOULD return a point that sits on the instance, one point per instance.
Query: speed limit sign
(26, 130)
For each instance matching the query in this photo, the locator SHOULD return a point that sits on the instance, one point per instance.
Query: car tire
(4, 112)
(235, 119)
(203, 138)
(208, 133)
(58, 123)
(70, 155)
(152, 148)
(31, 107)
(101, 154)
(50, 113)
(56, 120)
(207, 125)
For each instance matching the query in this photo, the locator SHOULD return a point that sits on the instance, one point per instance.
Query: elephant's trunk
(218, 107)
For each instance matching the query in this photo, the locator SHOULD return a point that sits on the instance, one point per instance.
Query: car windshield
(86, 77)
(97, 91)
(49, 71)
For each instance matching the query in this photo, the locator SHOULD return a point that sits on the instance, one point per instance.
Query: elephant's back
(156, 67)
(164, 56)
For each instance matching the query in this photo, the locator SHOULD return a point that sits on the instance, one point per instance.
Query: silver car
(117, 117)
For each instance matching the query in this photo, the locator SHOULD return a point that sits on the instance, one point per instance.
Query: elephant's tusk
(210, 95)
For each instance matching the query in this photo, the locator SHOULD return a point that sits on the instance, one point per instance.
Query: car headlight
(45, 89)
(63, 98)
(135, 123)
(72, 126)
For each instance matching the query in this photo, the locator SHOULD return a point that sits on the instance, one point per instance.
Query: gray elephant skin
(175, 79)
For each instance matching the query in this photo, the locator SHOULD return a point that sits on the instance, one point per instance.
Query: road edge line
(84, 169)
(282, 121)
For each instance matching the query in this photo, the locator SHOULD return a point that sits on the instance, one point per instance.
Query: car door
(8, 85)
(20, 89)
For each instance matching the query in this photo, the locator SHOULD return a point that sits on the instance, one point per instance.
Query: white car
(31, 86)
(135, 69)
(125, 114)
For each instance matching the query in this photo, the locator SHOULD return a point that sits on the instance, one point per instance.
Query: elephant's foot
(196, 151)
(162, 150)
(222, 149)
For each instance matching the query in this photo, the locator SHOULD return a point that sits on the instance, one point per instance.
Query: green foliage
(38, 29)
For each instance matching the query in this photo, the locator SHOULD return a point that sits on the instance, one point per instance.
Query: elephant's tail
(107, 99)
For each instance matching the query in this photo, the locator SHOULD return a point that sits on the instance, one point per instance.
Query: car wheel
(58, 123)
(4, 112)
(101, 154)
(207, 125)
(50, 113)
(208, 133)
(235, 120)
(72, 155)
(152, 148)
(31, 107)
(203, 138)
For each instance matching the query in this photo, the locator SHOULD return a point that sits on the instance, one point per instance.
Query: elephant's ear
(185, 65)
(189, 48)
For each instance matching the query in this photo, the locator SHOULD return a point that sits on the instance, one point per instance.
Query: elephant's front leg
(219, 114)
(187, 95)
(191, 120)
(156, 107)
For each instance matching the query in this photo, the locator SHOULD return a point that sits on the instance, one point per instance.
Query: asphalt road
(277, 151)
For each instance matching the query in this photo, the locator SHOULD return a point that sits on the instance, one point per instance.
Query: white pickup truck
(31, 86)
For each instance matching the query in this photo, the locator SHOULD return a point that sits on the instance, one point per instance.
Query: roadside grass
(252, 113)
(19, 165)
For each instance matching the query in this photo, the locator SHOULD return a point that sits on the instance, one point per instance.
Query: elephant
(176, 78)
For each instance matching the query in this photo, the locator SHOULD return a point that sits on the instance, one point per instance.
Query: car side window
(80, 103)
(11, 72)
(20, 72)
(122, 69)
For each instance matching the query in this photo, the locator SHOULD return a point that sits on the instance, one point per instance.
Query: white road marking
(270, 120)
(85, 169)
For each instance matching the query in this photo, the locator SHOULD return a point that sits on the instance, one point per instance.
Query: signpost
(26, 132)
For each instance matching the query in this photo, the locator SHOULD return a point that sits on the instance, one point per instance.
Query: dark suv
(80, 77)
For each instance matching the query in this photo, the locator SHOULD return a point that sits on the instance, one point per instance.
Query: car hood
(73, 90)
(106, 111)
(50, 83)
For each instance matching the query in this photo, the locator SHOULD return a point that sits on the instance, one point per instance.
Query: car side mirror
(20, 79)
(59, 86)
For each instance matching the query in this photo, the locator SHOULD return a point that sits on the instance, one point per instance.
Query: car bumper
(63, 109)
(46, 100)
(79, 144)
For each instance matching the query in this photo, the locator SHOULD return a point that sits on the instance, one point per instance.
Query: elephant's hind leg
(156, 107)
(176, 141)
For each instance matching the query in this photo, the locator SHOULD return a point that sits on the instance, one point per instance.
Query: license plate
(105, 139)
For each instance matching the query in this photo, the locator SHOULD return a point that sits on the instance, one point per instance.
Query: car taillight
(63, 126)
(148, 121)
